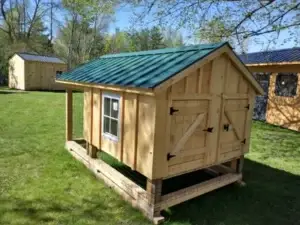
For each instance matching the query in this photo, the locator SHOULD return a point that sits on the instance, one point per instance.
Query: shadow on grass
(271, 197)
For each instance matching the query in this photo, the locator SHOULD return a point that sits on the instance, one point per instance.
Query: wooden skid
(188, 193)
(146, 200)
(129, 190)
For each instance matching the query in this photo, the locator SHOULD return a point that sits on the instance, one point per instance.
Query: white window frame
(105, 134)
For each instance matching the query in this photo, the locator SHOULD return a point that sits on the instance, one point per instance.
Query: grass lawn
(40, 183)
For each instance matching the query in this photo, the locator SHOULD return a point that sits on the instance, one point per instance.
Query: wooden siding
(211, 96)
(283, 111)
(32, 75)
(16, 73)
(137, 120)
(41, 75)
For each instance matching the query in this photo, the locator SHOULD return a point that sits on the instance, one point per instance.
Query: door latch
(172, 110)
(226, 127)
(169, 156)
(209, 129)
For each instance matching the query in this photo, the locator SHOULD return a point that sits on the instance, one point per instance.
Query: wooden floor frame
(150, 201)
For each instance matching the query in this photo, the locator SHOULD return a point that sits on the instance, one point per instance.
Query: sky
(122, 21)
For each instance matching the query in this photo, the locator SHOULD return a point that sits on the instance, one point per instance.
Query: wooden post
(237, 164)
(240, 164)
(92, 150)
(69, 114)
(154, 188)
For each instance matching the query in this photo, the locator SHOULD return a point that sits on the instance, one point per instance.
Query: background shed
(279, 73)
(34, 72)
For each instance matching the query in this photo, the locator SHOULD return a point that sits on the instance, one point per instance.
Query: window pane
(106, 125)
(114, 127)
(107, 106)
(286, 85)
(115, 108)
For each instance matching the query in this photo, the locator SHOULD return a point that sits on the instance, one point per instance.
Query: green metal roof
(145, 69)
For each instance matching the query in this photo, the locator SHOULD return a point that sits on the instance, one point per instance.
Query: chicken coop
(164, 113)
(34, 72)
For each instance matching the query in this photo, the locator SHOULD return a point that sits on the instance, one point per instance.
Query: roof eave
(118, 88)
(273, 64)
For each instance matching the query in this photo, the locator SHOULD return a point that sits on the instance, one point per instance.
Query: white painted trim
(109, 135)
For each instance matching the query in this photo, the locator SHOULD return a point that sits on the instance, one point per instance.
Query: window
(110, 116)
(286, 84)
(263, 79)
(58, 73)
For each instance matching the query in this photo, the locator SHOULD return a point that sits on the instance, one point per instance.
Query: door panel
(188, 140)
(232, 128)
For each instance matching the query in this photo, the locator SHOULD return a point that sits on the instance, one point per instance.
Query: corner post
(154, 190)
(69, 114)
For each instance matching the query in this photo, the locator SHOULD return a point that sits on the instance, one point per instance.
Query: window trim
(105, 134)
(286, 74)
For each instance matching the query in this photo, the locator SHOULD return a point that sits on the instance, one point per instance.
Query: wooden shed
(164, 113)
(34, 72)
(279, 72)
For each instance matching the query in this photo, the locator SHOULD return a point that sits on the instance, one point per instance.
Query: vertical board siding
(96, 117)
(130, 125)
(87, 114)
(137, 120)
(283, 111)
(146, 129)
(41, 75)
(216, 88)
(220, 90)
(162, 132)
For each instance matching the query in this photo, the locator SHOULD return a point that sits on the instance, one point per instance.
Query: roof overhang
(77, 85)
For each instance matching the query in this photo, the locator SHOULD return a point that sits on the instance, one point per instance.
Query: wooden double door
(206, 131)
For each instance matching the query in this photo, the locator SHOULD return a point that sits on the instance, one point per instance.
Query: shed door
(232, 128)
(188, 139)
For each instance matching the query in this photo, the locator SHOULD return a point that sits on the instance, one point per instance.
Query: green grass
(40, 183)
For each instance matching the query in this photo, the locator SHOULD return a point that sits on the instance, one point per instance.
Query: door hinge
(244, 141)
(247, 107)
(226, 127)
(169, 156)
(209, 129)
(172, 110)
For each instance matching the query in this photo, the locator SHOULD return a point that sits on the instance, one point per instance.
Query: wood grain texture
(34, 75)
(185, 194)
(87, 114)
(188, 133)
(69, 114)
(129, 190)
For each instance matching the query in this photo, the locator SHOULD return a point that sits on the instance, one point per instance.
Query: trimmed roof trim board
(38, 58)
(203, 55)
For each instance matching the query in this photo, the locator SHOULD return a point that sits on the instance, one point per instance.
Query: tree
(83, 15)
(172, 37)
(237, 20)
(156, 38)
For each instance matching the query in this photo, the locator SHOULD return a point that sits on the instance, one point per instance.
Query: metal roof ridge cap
(167, 50)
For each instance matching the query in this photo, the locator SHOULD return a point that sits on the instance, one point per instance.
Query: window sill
(110, 137)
